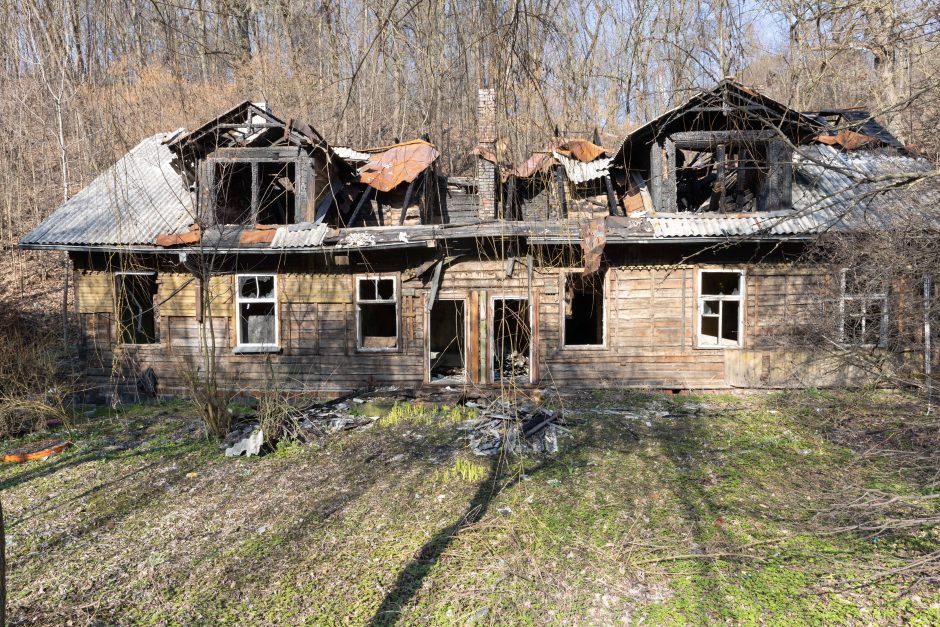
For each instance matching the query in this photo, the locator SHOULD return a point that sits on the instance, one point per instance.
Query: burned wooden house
(252, 250)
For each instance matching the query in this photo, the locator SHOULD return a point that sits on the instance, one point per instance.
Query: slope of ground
(683, 510)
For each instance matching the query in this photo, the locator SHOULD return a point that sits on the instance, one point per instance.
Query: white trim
(135, 272)
(881, 297)
(466, 341)
(491, 340)
(377, 301)
(239, 300)
(605, 290)
(700, 300)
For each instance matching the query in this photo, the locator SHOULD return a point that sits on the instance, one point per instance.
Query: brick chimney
(487, 185)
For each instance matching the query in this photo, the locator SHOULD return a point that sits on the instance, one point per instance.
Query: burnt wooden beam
(510, 266)
(560, 182)
(435, 284)
(363, 199)
(611, 195)
(381, 209)
(404, 205)
(324, 207)
(709, 140)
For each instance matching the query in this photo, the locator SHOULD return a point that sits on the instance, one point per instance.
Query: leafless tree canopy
(85, 79)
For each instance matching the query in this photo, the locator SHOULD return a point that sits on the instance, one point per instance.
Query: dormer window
(253, 186)
(722, 172)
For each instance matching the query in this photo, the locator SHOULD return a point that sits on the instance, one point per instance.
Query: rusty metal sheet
(539, 162)
(391, 166)
(593, 239)
(168, 240)
(850, 140)
(261, 234)
(486, 154)
(581, 149)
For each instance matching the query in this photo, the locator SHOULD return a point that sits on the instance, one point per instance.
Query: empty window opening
(511, 339)
(135, 295)
(377, 313)
(255, 192)
(257, 310)
(233, 193)
(734, 176)
(276, 193)
(864, 309)
(446, 341)
(720, 308)
(584, 310)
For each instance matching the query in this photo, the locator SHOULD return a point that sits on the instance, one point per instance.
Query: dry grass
(703, 516)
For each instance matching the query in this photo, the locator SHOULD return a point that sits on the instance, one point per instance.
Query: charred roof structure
(331, 259)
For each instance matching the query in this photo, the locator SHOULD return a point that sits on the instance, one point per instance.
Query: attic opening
(584, 310)
(254, 192)
(512, 334)
(727, 171)
(135, 299)
(447, 341)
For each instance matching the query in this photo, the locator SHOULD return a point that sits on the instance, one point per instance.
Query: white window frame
(394, 300)
(491, 324)
(605, 288)
(153, 306)
(700, 308)
(844, 297)
(241, 346)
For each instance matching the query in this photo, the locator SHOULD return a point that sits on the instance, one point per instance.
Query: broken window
(135, 297)
(719, 306)
(733, 176)
(256, 300)
(512, 333)
(377, 313)
(254, 192)
(446, 341)
(584, 310)
(864, 310)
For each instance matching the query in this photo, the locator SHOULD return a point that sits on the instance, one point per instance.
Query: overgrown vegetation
(725, 509)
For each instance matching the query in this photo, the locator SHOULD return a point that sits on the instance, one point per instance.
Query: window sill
(583, 347)
(254, 350)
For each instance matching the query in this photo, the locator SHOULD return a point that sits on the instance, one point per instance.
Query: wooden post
(404, 205)
(363, 199)
(611, 195)
(560, 182)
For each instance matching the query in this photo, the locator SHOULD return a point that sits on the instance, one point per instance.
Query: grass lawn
(714, 513)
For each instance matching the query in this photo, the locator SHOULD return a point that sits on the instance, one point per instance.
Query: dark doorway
(447, 342)
(512, 334)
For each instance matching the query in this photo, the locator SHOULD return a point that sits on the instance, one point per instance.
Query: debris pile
(321, 420)
(525, 429)
(245, 439)
(453, 373)
(514, 364)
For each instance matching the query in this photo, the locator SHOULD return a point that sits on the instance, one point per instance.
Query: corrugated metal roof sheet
(300, 235)
(832, 190)
(351, 154)
(133, 201)
(580, 172)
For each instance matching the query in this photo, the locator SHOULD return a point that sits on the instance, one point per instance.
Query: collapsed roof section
(845, 171)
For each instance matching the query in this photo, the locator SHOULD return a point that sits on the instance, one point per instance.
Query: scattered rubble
(246, 439)
(514, 364)
(525, 429)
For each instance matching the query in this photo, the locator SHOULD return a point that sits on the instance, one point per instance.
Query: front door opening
(512, 334)
(447, 342)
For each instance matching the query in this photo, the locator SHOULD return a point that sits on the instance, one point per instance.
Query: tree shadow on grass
(412, 576)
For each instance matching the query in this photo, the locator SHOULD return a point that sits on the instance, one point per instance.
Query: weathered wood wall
(650, 329)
